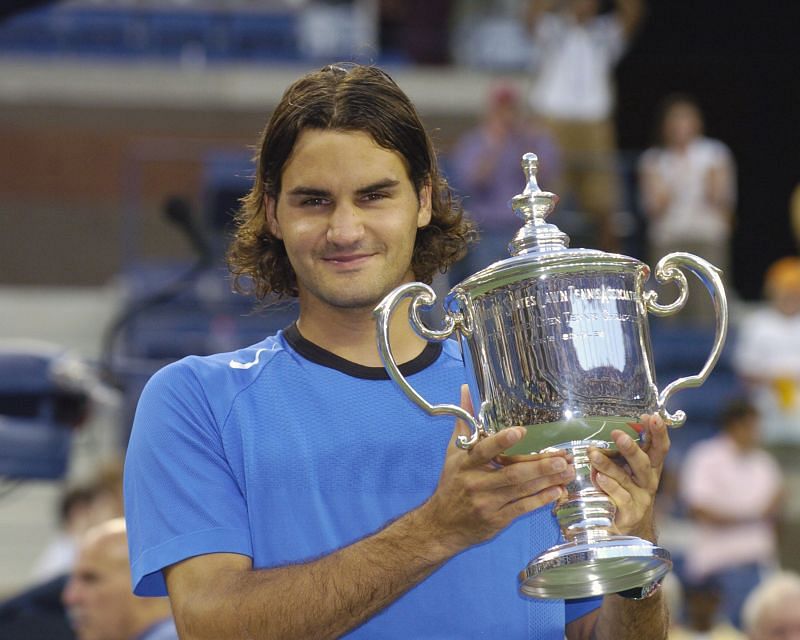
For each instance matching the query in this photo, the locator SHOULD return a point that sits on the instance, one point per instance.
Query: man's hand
(633, 485)
(478, 496)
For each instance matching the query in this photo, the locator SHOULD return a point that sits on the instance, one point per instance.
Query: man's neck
(352, 334)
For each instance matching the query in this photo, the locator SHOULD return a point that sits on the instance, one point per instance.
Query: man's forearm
(320, 599)
(624, 619)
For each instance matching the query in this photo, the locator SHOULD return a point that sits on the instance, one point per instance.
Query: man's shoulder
(232, 370)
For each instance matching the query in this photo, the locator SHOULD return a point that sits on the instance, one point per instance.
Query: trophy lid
(539, 247)
(533, 206)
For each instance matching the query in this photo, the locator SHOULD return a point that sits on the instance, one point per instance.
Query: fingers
(461, 428)
(632, 486)
(640, 470)
(487, 448)
(514, 510)
(657, 433)
(526, 478)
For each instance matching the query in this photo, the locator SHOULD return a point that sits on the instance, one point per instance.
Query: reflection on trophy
(556, 339)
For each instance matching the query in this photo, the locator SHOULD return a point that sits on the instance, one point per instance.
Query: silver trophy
(557, 340)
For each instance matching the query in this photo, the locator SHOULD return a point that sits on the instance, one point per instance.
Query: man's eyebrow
(315, 192)
(309, 191)
(388, 183)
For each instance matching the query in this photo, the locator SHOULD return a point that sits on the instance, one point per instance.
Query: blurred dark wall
(741, 60)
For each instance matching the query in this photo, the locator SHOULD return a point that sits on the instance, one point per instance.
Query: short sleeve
(182, 498)
(574, 609)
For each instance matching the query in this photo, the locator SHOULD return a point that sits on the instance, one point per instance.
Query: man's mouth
(349, 259)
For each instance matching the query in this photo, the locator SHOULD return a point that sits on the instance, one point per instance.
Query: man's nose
(345, 225)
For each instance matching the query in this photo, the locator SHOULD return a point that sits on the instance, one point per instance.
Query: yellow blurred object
(786, 389)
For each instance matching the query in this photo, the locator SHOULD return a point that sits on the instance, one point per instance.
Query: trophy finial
(534, 205)
(530, 165)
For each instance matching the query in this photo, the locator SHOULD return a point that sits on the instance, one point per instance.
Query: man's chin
(355, 296)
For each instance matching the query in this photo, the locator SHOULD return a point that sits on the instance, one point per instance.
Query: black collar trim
(323, 357)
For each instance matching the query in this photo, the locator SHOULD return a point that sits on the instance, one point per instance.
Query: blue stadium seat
(263, 36)
(40, 406)
(37, 31)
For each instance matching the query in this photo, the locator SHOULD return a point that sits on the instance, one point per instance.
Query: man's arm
(630, 14)
(221, 596)
(633, 491)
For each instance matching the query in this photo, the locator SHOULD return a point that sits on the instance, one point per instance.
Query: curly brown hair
(344, 98)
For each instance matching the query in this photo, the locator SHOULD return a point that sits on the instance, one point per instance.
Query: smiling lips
(347, 260)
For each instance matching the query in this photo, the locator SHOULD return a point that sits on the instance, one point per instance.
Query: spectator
(37, 613)
(81, 507)
(767, 354)
(577, 49)
(733, 491)
(772, 611)
(701, 603)
(688, 193)
(98, 595)
(485, 168)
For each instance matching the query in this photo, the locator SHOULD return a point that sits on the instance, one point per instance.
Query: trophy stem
(586, 513)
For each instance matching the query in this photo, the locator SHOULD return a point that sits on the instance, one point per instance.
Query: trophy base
(581, 570)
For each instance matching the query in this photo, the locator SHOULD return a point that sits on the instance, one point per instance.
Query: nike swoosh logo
(234, 364)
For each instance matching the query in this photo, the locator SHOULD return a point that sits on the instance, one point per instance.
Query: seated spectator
(81, 507)
(733, 491)
(772, 611)
(485, 167)
(99, 598)
(37, 613)
(767, 355)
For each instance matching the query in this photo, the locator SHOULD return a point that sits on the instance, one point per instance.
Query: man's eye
(314, 202)
(377, 195)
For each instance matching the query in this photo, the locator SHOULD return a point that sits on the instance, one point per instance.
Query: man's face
(98, 595)
(348, 215)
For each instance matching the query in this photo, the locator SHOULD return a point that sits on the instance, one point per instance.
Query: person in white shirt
(577, 49)
(767, 353)
(688, 194)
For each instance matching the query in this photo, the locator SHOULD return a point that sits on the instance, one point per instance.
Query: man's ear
(425, 207)
(270, 212)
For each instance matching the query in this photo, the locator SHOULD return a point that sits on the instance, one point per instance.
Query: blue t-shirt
(284, 452)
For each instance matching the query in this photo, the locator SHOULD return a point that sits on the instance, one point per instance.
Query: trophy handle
(421, 296)
(668, 269)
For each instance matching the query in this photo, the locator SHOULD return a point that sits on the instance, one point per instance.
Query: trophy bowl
(557, 340)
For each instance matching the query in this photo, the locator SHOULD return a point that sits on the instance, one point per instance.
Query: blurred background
(127, 129)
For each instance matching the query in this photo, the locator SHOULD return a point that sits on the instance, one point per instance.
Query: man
(485, 168)
(290, 490)
(577, 49)
(98, 597)
(772, 610)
